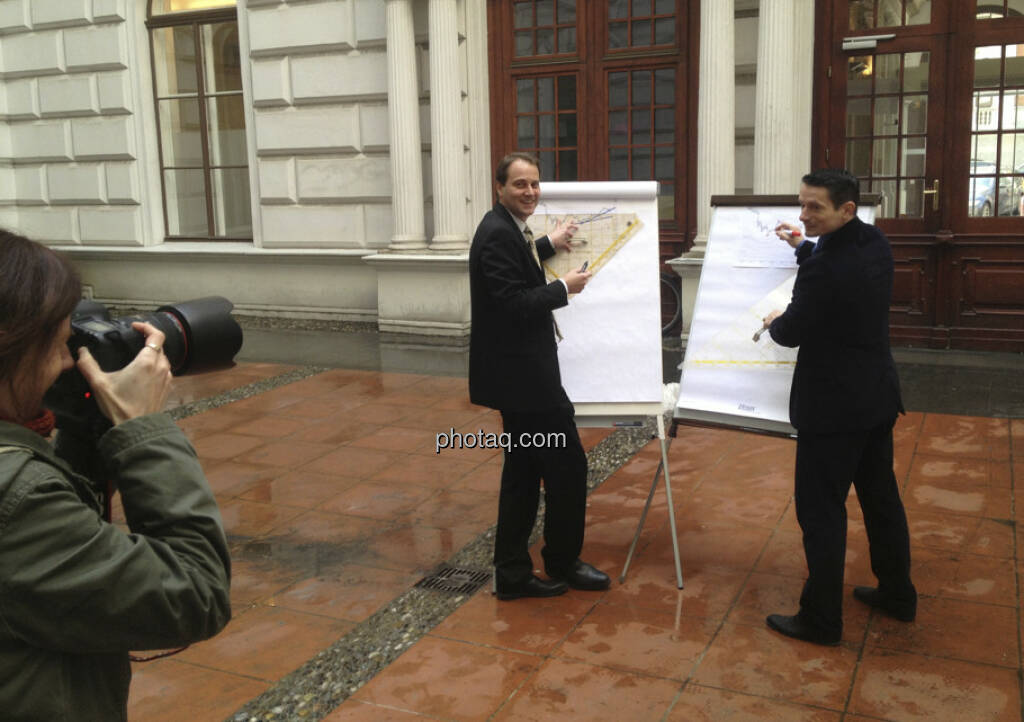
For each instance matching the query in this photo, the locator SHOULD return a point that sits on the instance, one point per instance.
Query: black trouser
(563, 466)
(826, 465)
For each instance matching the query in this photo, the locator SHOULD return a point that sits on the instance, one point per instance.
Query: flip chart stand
(634, 415)
(662, 468)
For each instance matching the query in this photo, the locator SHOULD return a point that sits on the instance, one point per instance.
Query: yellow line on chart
(618, 241)
(630, 230)
(742, 363)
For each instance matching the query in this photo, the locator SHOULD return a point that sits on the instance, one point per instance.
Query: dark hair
(38, 290)
(501, 173)
(841, 184)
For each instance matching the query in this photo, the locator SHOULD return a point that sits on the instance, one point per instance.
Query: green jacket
(77, 593)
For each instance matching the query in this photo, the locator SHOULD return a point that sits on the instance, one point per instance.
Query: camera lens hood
(212, 336)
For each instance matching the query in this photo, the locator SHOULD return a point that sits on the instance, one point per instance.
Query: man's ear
(849, 210)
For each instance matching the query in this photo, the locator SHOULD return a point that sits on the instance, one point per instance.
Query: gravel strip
(244, 392)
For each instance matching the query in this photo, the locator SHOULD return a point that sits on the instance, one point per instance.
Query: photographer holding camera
(77, 593)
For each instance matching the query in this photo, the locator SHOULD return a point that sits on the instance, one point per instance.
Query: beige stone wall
(69, 130)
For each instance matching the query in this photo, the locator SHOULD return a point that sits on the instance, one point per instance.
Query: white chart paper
(611, 347)
(727, 377)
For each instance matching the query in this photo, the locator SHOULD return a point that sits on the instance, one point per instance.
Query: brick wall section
(67, 126)
(319, 85)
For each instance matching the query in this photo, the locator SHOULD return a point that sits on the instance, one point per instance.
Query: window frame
(196, 19)
(592, 63)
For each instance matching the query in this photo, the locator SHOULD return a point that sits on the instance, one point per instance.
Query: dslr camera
(200, 335)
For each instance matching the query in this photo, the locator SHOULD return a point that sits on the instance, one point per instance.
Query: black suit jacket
(845, 379)
(513, 355)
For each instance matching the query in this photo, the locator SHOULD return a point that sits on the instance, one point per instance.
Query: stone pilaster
(480, 172)
(716, 138)
(404, 130)
(803, 86)
(716, 124)
(446, 134)
(774, 140)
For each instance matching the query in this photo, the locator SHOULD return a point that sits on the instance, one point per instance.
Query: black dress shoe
(532, 587)
(798, 629)
(873, 597)
(582, 576)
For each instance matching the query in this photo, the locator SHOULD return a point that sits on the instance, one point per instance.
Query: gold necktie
(528, 235)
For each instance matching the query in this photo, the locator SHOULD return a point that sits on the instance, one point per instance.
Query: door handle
(934, 193)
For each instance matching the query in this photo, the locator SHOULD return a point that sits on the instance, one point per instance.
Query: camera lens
(205, 335)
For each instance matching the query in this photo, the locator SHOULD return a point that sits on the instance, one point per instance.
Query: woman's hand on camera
(139, 388)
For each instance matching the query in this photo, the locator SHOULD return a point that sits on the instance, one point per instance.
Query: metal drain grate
(455, 580)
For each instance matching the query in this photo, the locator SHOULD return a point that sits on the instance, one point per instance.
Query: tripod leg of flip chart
(640, 526)
(668, 497)
(662, 468)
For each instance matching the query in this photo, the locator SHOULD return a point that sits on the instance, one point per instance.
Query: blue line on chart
(600, 215)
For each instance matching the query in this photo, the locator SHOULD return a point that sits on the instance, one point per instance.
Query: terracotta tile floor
(336, 502)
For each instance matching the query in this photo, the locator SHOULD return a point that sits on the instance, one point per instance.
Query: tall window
(200, 112)
(600, 91)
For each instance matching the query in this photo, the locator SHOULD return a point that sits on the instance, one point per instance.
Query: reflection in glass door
(997, 132)
(869, 14)
(886, 128)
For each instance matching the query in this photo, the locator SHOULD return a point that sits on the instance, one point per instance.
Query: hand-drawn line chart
(766, 226)
(752, 242)
(601, 234)
(734, 346)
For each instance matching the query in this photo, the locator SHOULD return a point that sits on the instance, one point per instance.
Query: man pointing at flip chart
(513, 367)
(843, 402)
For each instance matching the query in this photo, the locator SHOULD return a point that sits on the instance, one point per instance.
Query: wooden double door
(923, 100)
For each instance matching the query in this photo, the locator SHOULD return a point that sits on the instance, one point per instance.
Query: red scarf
(42, 424)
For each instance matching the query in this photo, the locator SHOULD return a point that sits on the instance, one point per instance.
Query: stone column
(803, 88)
(774, 140)
(716, 114)
(404, 130)
(716, 138)
(446, 137)
(479, 183)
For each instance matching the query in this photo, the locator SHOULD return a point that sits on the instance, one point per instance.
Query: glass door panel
(886, 128)
(995, 9)
(996, 168)
(870, 14)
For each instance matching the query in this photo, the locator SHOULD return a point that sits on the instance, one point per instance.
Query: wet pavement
(321, 450)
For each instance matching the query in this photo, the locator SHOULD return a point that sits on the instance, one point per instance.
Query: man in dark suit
(513, 367)
(843, 403)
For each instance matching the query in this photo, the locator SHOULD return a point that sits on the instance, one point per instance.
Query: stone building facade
(336, 161)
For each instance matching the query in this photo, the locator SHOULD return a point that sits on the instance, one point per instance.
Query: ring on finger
(155, 347)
